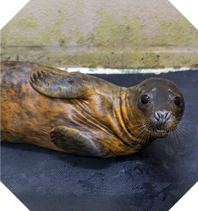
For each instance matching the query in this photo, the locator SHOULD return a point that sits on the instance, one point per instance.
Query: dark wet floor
(153, 179)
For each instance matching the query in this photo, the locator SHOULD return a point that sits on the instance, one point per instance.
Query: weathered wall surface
(92, 33)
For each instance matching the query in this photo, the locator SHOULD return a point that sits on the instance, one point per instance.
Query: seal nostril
(167, 115)
(157, 115)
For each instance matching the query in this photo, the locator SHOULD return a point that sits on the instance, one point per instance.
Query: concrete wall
(92, 33)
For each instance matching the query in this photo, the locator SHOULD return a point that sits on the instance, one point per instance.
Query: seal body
(84, 115)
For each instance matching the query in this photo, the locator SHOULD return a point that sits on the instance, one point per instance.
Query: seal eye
(145, 99)
(177, 101)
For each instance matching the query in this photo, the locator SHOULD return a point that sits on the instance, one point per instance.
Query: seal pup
(84, 115)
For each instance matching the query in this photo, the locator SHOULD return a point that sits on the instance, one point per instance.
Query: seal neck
(124, 110)
(130, 115)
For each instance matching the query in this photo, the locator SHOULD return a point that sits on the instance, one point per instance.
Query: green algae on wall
(126, 59)
(43, 38)
(5, 25)
(112, 43)
(179, 34)
(27, 24)
(112, 33)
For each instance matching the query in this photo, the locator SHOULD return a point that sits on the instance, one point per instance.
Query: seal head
(158, 105)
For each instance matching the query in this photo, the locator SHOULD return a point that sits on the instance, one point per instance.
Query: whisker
(185, 124)
(137, 125)
(186, 129)
(140, 132)
(137, 120)
(181, 131)
(143, 135)
(139, 128)
(139, 136)
(178, 135)
(175, 138)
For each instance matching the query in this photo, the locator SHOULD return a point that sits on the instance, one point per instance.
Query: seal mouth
(161, 133)
(161, 129)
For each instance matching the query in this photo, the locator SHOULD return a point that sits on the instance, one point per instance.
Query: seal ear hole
(145, 99)
(177, 101)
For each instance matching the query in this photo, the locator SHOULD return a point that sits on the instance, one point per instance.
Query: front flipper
(60, 84)
(75, 142)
